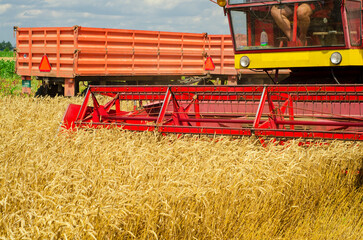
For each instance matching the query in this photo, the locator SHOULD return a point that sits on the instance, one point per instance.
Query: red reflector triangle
(45, 65)
(209, 65)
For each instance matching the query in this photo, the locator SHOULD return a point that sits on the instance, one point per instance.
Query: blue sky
(195, 16)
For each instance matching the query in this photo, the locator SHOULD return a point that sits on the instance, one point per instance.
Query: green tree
(6, 46)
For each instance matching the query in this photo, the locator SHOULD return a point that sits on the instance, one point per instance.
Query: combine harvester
(321, 99)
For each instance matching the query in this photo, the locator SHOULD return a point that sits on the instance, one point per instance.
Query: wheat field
(112, 184)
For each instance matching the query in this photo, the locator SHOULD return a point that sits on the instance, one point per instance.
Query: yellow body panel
(321, 58)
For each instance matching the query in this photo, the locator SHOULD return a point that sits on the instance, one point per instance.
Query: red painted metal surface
(80, 51)
(309, 111)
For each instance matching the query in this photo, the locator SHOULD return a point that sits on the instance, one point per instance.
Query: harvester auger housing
(268, 111)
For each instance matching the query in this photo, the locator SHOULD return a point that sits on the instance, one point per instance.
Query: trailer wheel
(41, 92)
(51, 91)
(55, 90)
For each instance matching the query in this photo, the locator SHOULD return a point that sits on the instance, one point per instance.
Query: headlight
(336, 58)
(245, 61)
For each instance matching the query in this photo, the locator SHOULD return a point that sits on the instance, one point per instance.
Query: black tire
(53, 91)
(50, 91)
(41, 92)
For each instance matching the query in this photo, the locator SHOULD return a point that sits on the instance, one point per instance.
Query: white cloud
(4, 8)
(33, 13)
(7, 24)
(56, 14)
(57, 3)
(159, 15)
(86, 15)
(118, 3)
(197, 19)
(165, 4)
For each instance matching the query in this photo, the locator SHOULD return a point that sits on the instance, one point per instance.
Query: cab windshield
(307, 24)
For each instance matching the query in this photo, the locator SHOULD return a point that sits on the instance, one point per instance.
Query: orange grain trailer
(61, 57)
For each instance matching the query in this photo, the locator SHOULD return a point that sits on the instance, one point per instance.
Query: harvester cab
(286, 25)
(330, 48)
(317, 40)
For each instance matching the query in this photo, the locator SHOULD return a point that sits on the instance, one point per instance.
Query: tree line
(6, 46)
